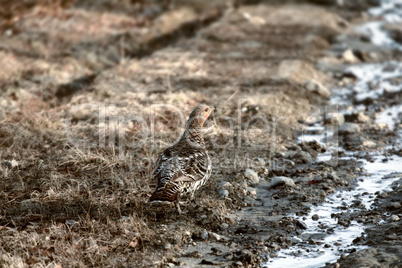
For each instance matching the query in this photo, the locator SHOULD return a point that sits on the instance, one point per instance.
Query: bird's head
(198, 116)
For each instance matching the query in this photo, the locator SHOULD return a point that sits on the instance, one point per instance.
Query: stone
(338, 119)
(251, 175)
(394, 205)
(204, 235)
(395, 218)
(301, 224)
(224, 225)
(362, 118)
(349, 57)
(223, 192)
(302, 157)
(349, 128)
(277, 181)
(316, 87)
(225, 184)
(369, 144)
(252, 191)
(214, 236)
(315, 217)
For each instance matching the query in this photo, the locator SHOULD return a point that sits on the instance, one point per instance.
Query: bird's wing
(175, 166)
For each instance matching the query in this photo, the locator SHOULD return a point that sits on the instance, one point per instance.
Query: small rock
(251, 175)
(394, 205)
(362, 118)
(275, 246)
(224, 226)
(369, 144)
(333, 119)
(316, 87)
(204, 235)
(302, 157)
(395, 218)
(225, 184)
(276, 181)
(169, 264)
(167, 246)
(252, 191)
(12, 164)
(349, 128)
(301, 224)
(315, 217)
(223, 192)
(214, 236)
(349, 57)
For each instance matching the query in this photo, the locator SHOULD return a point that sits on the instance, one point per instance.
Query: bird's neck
(193, 135)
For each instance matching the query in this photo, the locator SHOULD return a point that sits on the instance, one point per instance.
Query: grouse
(184, 167)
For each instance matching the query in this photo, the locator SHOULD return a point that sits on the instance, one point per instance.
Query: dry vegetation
(80, 200)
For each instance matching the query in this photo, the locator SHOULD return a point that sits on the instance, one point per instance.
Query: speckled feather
(184, 167)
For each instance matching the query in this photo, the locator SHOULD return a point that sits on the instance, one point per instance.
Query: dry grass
(78, 143)
(69, 205)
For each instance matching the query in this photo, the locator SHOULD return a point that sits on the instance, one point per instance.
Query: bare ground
(80, 127)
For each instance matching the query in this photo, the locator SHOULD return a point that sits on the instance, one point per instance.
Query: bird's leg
(177, 205)
(192, 199)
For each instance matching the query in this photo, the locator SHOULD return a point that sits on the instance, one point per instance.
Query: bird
(184, 167)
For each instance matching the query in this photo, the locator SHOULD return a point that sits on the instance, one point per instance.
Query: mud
(93, 92)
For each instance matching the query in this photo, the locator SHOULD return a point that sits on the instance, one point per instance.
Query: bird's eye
(206, 109)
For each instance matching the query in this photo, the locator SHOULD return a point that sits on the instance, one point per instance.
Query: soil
(93, 91)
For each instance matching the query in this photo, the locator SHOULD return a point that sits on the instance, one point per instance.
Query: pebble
(395, 218)
(301, 224)
(252, 191)
(369, 144)
(276, 181)
(349, 56)
(251, 175)
(303, 157)
(238, 264)
(316, 87)
(204, 235)
(225, 184)
(335, 119)
(12, 164)
(223, 192)
(275, 246)
(224, 226)
(349, 128)
(214, 236)
(315, 217)
(362, 118)
(394, 205)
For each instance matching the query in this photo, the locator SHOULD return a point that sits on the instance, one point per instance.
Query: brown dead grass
(66, 203)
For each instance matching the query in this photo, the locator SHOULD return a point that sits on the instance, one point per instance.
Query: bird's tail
(168, 193)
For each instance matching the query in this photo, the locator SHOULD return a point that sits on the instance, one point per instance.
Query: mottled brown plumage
(184, 167)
